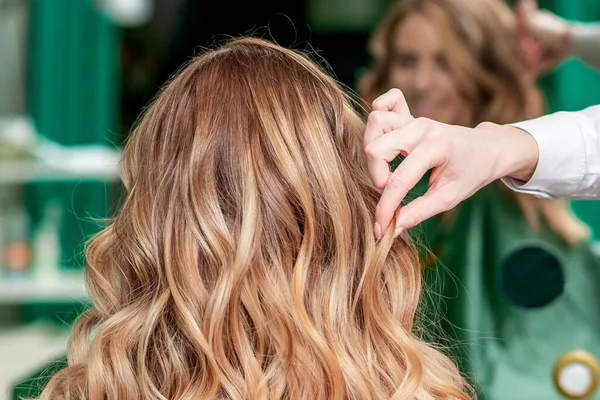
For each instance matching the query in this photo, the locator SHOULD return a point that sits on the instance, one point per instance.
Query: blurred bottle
(16, 249)
(46, 243)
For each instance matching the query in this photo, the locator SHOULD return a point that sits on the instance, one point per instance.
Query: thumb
(422, 208)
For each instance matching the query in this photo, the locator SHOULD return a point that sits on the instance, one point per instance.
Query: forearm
(585, 42)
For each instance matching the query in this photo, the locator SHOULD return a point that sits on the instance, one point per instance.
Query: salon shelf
(26, 171)
(28, 348)
(62, 287)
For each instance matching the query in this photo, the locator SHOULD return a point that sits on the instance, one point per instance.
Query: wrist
(516, 151)
(567, 39)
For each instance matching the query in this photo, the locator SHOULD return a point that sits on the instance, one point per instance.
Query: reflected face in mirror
(420, 68)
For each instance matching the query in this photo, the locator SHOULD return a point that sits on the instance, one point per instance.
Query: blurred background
(75, 74)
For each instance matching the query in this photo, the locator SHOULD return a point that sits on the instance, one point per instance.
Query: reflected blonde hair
(485, 58)
(242, 263)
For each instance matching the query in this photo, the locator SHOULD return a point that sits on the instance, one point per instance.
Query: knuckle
(396, 181)
(411, 218)
(376, 117)
(423, 122)
(381, 101)
(371, 150)
(448, 202)
(426, 126)
(431, 133)
(379, 182)
(378, 103)
(486, 125)
(417, 218)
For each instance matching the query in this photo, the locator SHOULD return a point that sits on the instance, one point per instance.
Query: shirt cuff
(561, 165)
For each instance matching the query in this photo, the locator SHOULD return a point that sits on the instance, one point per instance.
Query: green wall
(73, 98)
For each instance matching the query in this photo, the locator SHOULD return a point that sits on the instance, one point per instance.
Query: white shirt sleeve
(569, 155)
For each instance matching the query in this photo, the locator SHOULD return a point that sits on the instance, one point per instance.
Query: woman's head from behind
(457, 61)
(242, 263)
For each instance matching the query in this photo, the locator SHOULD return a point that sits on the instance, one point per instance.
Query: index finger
(392, 100)
(401, 181)
(380, 123)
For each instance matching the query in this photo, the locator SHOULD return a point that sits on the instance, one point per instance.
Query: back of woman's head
(242, 263)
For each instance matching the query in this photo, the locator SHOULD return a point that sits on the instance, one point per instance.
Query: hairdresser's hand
(463, 160)
(545, 38)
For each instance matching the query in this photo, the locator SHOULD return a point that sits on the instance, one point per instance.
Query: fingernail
(377, 229)
(398, 231)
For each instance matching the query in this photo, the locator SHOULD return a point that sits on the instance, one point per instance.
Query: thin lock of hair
(242, 264)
